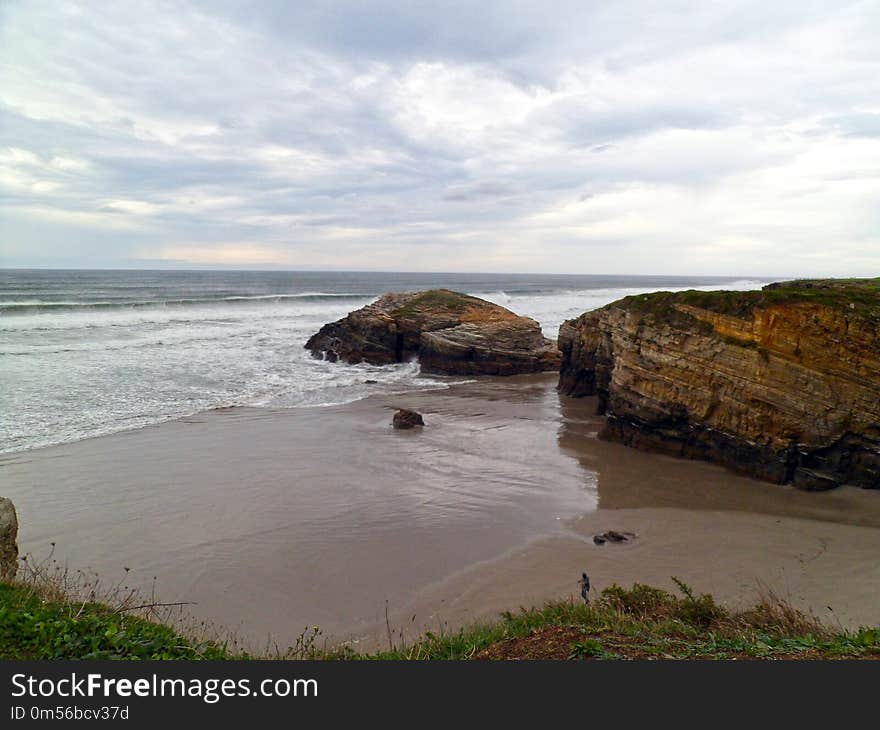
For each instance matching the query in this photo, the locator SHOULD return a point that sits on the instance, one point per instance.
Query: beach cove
(271, 520)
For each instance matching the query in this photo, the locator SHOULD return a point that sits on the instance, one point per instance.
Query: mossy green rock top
(450, 333)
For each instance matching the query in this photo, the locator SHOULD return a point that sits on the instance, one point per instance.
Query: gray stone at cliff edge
(8, 539)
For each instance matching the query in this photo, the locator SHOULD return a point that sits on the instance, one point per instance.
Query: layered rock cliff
(782, 384)
(450, 333)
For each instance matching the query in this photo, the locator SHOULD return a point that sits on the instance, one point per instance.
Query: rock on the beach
(450, 333)
(613, 536)
(405, 418)
(813, 481)
(8, 539)
(782, 384)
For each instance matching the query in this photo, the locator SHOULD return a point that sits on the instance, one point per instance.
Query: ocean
(87, 353)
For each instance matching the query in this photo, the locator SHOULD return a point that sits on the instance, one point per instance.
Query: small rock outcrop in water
(451, 333)
(405, 418)
(782, 384)
(8, 540)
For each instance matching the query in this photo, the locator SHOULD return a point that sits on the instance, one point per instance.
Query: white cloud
(734, 137)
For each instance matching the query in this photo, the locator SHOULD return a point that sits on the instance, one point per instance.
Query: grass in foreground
(637, 623)
(32, 627)
(51, 613)
(644, 623)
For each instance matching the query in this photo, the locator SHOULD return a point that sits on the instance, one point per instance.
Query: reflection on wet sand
(725, 534)
(628, 478)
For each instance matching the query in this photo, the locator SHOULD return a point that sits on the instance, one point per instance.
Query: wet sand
(824, 568)
(271, 520)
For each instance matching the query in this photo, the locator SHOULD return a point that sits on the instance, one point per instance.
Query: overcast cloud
(574, 137)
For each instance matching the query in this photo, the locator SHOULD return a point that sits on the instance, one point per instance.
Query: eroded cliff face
(450, 333)
(782, 384)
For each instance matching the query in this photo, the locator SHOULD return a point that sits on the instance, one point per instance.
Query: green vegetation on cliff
(439, 300)
(643, 623)
(637, 623)
(32, 627)
(861, 295)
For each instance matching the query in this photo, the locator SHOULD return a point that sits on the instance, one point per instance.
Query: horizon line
(402, 271)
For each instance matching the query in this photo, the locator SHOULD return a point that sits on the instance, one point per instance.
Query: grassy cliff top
(637, 623)
(35, 625)
(861, 296)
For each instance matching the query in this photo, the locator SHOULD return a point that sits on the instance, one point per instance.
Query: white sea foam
(132, 351)
(551, 309)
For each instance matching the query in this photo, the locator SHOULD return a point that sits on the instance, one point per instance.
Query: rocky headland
(450, 333)
(782, 384)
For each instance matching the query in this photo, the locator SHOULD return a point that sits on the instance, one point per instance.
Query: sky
(728, 138)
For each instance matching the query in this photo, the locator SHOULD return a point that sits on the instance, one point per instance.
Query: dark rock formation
(612, 536)
(8, 540)
(405, 418)
(813, 481)
(451, 333)
(782, 384)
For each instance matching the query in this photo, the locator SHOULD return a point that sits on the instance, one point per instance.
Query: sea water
(86, 353)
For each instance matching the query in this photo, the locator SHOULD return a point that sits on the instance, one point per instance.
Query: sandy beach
(270, 520)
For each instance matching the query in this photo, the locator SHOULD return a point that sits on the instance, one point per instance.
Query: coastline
(491, 507)
(822, 568)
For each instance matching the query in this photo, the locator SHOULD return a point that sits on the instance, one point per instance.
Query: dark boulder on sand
(405, 418)
(813, 481)
(450, 333)
(613, 536)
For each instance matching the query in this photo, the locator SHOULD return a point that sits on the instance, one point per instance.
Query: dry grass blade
(776, 614)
